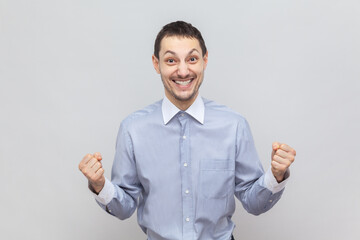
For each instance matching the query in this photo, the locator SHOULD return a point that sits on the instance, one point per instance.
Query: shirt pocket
(216, 178)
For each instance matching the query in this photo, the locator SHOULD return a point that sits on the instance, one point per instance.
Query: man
(182, 160)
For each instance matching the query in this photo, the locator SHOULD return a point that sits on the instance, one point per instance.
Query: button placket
(186, 182)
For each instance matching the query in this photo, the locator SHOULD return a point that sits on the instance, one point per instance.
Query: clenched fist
(91, 167)
(282, 157)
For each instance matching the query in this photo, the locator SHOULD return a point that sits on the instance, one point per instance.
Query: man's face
(181, 65)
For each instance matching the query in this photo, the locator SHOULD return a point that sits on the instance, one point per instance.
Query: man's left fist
(282, 157)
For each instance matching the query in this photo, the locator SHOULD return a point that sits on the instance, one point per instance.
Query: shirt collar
(196, 110)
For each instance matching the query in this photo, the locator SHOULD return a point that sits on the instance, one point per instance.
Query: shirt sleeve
(120, 196)
(255, 189)
(271, 183)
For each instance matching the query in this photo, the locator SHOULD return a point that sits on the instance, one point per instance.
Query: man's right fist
(91, 167)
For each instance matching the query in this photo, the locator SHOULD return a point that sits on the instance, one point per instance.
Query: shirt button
(187, 219)
(184, 137)
(185, 165)
(182, 114)
(187, 191)
(270, 200)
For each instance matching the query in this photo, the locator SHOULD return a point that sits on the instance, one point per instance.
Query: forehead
(179, 45)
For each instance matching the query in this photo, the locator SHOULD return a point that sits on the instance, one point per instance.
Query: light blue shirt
(182, 169)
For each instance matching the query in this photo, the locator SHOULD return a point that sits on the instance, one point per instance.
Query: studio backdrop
(71, 71)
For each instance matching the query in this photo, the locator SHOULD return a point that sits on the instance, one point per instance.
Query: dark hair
(181, 29)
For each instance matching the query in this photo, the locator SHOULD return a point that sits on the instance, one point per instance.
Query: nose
(183, 70)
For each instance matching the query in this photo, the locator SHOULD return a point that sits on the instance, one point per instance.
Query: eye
(193, 59)
(170, 60)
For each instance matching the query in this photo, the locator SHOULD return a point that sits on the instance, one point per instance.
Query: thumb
(275, 147)
(98, 156)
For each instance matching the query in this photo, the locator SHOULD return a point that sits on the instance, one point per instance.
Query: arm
(257, 191)
(124, 178)
(119, 197)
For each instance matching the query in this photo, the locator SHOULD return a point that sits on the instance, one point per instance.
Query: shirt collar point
(196, 110)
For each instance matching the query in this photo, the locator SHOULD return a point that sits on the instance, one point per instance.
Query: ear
(155, 61)
(205, 59)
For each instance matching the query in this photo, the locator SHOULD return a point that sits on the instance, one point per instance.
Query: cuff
(271, 183)
(106, 194)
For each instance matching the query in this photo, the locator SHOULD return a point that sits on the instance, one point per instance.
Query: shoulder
(214, 110)
(144, 116)
(221, 115)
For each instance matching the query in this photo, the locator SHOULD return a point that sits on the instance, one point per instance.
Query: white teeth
(183, 83)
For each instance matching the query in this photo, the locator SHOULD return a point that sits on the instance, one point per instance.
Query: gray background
(72, 70)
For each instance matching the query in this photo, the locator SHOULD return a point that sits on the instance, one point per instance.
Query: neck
(182, 105)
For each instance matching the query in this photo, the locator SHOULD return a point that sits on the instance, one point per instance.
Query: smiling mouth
(183, 83)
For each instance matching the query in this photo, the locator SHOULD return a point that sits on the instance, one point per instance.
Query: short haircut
(180, 29)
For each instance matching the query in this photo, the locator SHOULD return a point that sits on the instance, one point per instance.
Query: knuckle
(85, 172)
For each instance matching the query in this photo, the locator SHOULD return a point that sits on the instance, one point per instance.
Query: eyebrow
(173, 53)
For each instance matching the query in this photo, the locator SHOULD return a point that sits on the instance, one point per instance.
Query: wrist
(96, 187)
(279, 179)
(278, 176)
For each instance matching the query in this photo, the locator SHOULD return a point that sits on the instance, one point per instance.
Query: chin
(186, 98)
